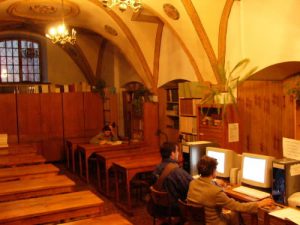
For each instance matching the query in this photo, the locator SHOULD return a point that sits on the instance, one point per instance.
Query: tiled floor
(140, 215)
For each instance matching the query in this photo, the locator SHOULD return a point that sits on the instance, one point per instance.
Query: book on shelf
(188, 124)
(3, 140)
(71, 87)
(44, 88)
(66, 88)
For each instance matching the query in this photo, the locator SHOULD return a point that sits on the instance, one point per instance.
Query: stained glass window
(19, 61)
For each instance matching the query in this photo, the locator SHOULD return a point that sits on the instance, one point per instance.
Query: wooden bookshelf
(219, 124)
(172, 105)
(188, 118)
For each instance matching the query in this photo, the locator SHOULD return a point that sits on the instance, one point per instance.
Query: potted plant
(99, 87)
(224, 93)
(295, 92)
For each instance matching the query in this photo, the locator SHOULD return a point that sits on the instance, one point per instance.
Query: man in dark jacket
(176, 183)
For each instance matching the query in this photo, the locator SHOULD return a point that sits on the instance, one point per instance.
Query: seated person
(176, 183)
(106, 136)
(204, 192)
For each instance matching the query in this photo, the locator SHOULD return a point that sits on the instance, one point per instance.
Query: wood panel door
(8, 117)
(73, 114)
(151, 124)
(93, 113)
(29, 118)
(52, 126)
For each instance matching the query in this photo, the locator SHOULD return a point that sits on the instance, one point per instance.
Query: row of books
(47, 88)
(189, 137)
(3, 140)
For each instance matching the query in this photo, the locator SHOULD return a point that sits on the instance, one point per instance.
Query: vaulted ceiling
(201, 27)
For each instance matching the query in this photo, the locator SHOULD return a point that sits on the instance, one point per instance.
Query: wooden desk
(130, 169)
(112, 219)
(21, 189)
(21, 159)
(106, 159)
(262, 217)
(86, 150)
(28, 172)
(50, 208)
(18, 149)
(71, 147)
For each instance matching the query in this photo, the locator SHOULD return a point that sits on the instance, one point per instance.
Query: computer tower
(286, 179)
(192, 152)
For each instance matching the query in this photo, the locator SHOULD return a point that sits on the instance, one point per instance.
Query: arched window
(20, 61)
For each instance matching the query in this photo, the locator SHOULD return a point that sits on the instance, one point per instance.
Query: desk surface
(42, 206)
(21, 159)
(95, 147)
(27, 170)
(263, 213)
(127, 152)
(18, 149)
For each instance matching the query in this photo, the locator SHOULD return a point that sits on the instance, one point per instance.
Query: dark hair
(106, 128)
(166, 149)
(206, 166)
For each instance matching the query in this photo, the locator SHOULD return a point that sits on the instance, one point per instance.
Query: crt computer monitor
(225, 157)
(257, 170)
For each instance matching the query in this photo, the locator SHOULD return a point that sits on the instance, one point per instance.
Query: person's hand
(220, 182)
(265, 202)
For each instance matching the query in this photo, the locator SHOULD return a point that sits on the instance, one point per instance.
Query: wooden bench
(28, 172)
(15, 190)
(50, 208)
(21, 159)
(113, 219)
(18, 149)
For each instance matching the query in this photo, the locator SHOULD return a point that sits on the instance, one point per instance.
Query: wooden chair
(191, 213)
(163, 207)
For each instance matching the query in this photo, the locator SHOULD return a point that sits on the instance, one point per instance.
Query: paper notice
(295, 169)
(287, 213)
(233, 132)
(291, 148)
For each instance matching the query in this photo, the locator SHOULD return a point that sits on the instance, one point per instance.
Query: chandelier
(60, 34)
(123, 4)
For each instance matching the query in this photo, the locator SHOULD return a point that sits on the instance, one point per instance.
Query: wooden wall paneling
(73, 114)
(151, 124)
(52, 126)
(289, 112)
(29, 119)
(260, 107)
(231, 116)
(8, 117)
(114, 108)
(93, 113)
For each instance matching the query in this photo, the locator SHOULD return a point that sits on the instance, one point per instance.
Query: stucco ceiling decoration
(110, 30)
(42, 10)
(171, 11)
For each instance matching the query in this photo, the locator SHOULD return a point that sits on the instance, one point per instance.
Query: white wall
(174, 63)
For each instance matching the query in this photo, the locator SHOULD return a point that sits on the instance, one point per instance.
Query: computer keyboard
(251, 192)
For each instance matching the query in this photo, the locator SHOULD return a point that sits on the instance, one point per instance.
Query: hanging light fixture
(60, 34)
(123, 4)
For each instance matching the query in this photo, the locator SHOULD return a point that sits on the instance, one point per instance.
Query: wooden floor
(140, 217)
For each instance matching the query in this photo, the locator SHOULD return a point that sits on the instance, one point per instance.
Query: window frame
(40, 64)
